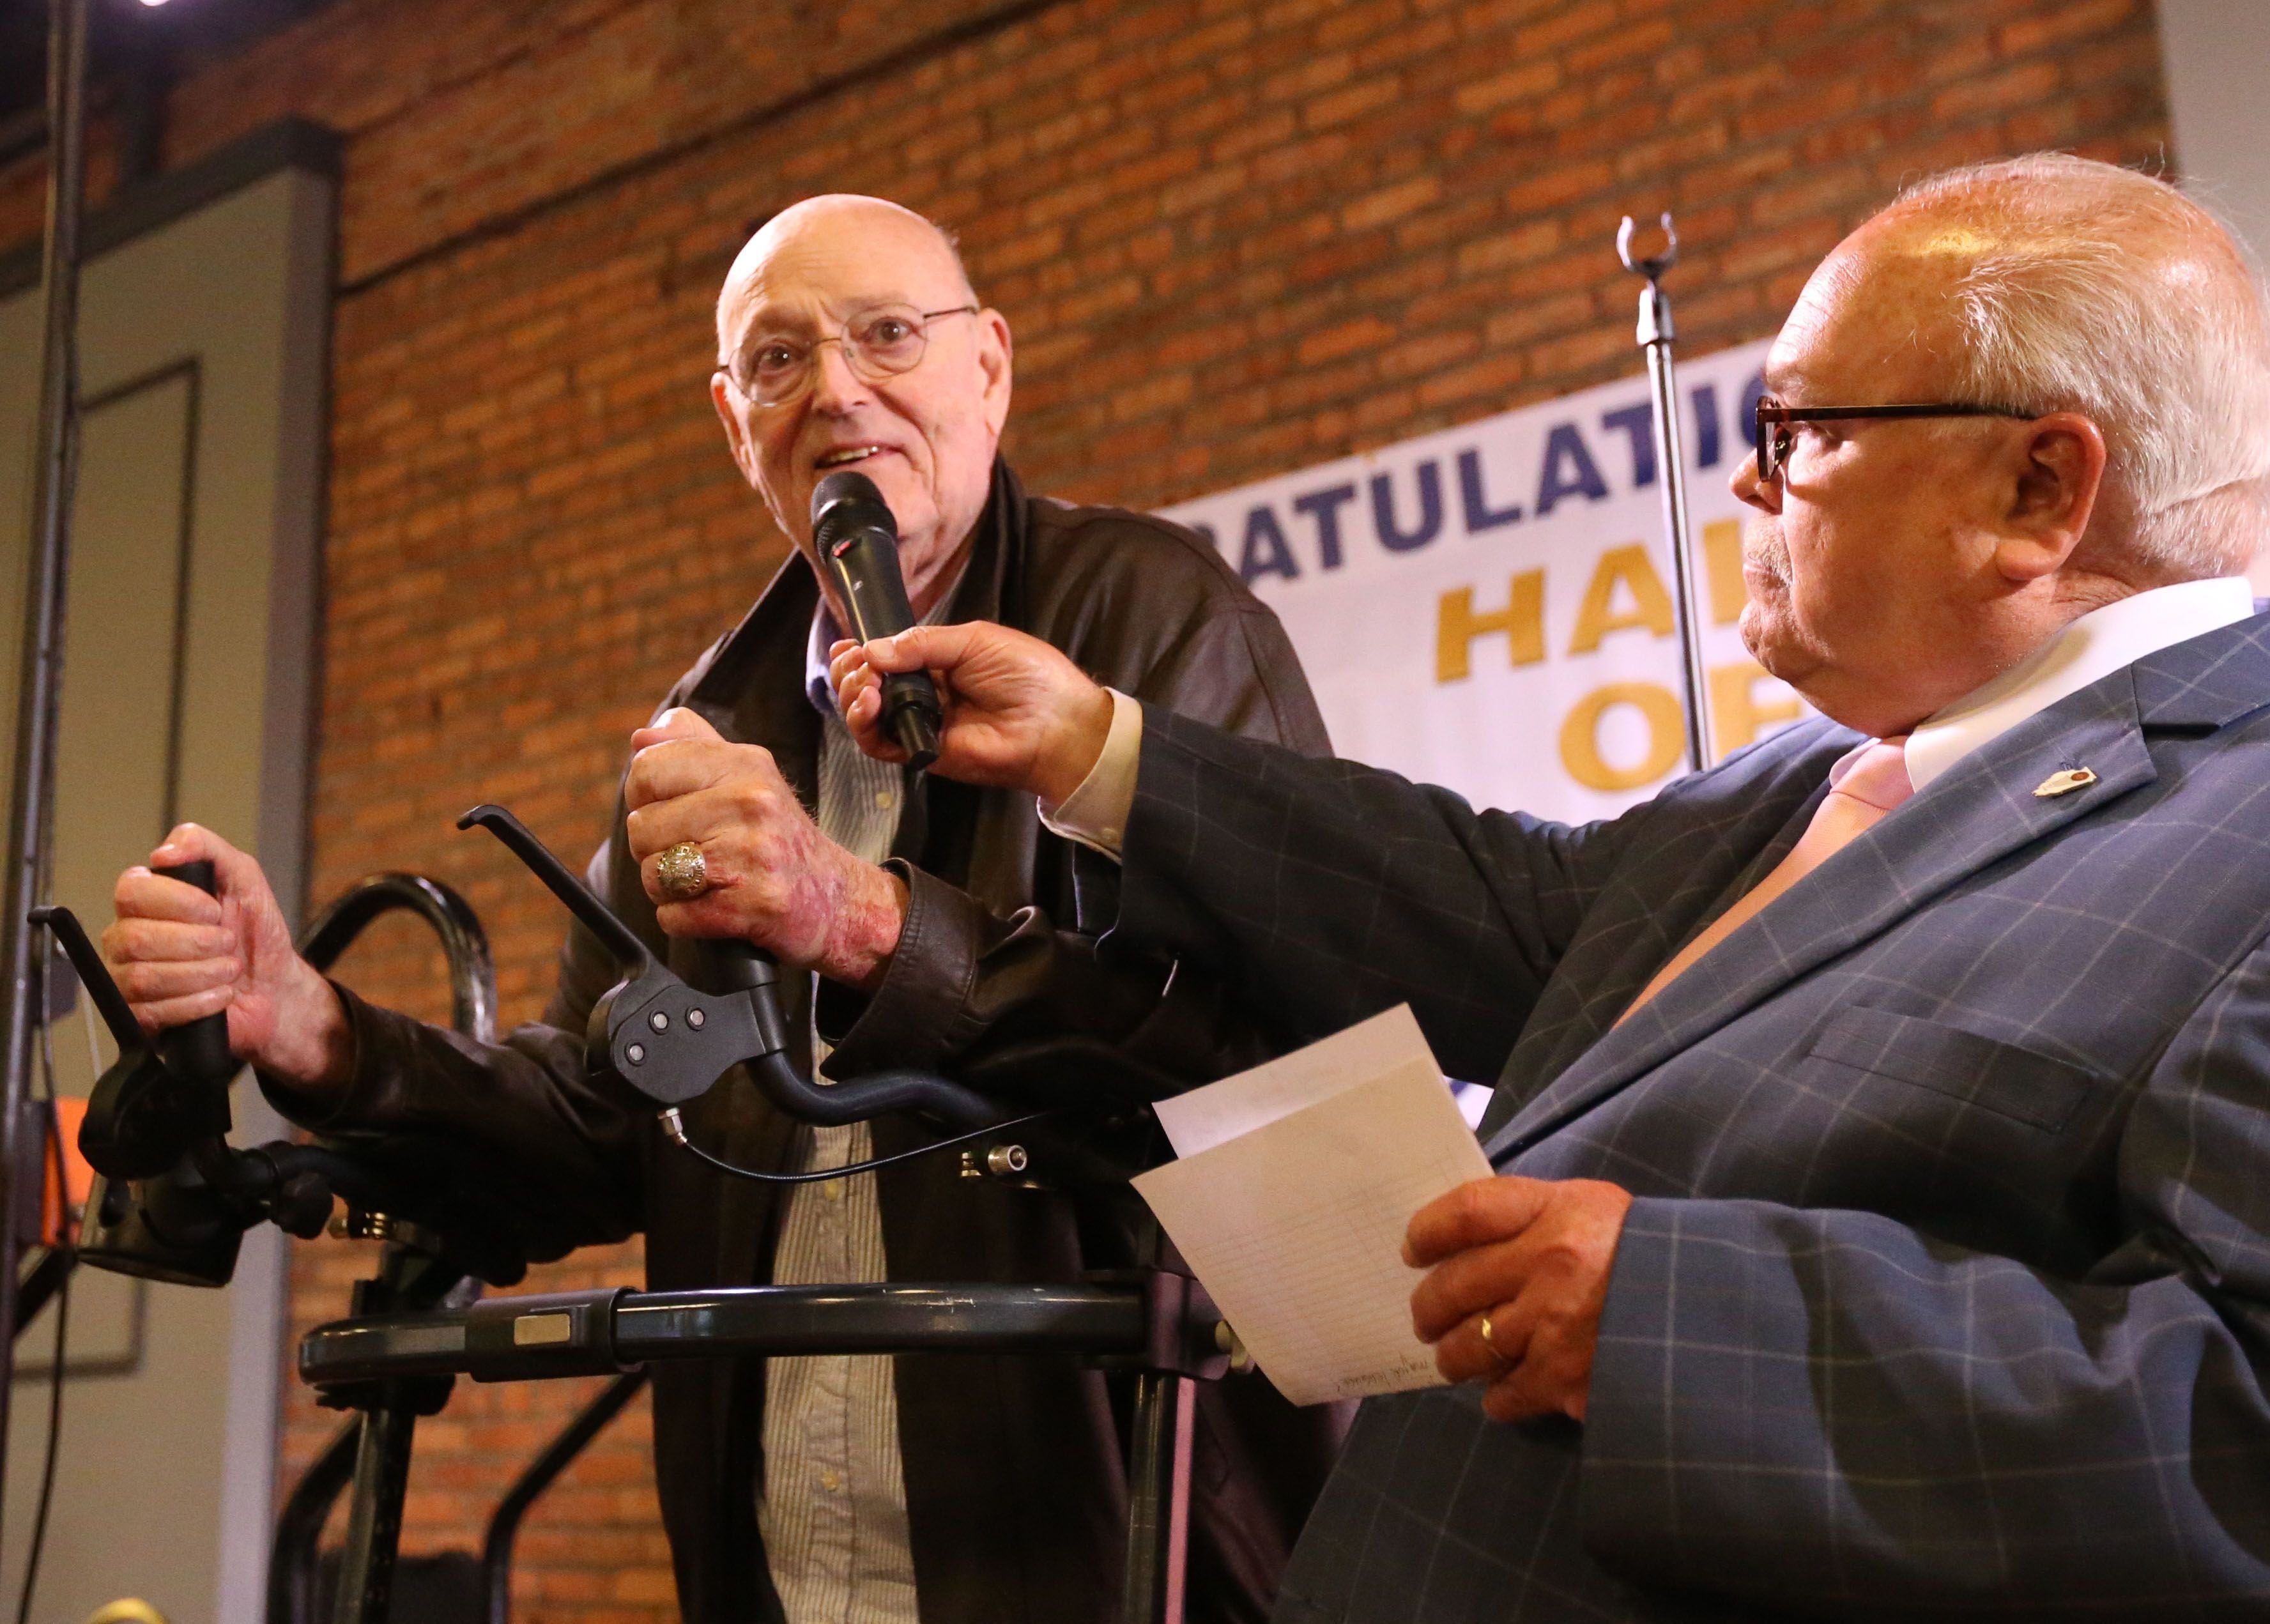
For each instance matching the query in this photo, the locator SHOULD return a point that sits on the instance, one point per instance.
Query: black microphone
(858, 541)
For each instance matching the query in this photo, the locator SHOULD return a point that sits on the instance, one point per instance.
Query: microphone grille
(847, 500)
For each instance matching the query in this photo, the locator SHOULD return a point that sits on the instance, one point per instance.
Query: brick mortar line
(910, 54)
(507, 59)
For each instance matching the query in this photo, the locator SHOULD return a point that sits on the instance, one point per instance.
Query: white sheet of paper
(1207, 1116)
(1292, 1210)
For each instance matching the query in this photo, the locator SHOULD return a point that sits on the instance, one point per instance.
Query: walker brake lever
(671, 1041)
(663, 1038)
(93, 974)
(147, 1111)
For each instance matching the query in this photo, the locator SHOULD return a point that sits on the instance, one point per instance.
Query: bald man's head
(847, 336)
(819, 225)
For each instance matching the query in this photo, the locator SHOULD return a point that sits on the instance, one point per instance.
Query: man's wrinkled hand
(774, 879)
(178, 954)
(1019, 715)
(1532, 1254)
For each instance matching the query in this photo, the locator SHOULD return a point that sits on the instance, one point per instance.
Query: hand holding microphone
(858, 541)
(1018, 714)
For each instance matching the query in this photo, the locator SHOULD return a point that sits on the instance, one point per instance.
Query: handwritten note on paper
(1296, 1183)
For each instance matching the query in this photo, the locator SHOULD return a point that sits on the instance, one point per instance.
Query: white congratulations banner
(1490, 607)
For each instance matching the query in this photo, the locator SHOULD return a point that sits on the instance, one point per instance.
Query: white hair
(2094, 289)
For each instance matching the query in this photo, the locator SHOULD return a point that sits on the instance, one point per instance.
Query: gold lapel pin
(2065, 783)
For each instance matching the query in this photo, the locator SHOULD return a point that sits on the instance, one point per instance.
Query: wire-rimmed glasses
(878, 343)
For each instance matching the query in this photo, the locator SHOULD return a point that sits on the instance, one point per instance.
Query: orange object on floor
(57, 1207)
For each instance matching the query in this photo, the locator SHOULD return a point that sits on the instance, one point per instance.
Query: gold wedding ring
(1483, 1325)
(682, 873)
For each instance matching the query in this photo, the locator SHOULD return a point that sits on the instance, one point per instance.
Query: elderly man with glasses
(972, 1489)
(1882, 1225)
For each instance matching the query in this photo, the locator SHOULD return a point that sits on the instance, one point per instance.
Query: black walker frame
(419, 1322)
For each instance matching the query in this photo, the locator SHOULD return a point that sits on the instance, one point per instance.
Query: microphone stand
(1655, 340)
(23, 1131)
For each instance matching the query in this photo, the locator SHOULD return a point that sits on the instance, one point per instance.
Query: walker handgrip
(739, 966)
(198, 1052)
(744, 967)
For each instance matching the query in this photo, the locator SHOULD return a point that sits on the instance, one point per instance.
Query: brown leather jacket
(1015, 1485)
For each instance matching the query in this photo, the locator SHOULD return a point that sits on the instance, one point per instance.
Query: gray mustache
(1764, 548)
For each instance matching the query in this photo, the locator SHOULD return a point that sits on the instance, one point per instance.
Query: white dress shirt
(2095, 646)
(2099, 644)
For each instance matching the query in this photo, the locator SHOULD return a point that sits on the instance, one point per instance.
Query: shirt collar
(2095, 646)
(826, 633)
(824, 636)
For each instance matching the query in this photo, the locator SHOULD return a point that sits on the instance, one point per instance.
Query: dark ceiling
(128, 39)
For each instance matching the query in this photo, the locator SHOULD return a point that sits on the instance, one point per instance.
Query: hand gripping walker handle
(197, 1051)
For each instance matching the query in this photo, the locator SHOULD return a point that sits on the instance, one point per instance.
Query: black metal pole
(40, 689)
(382, 1479)
(1158, 1499)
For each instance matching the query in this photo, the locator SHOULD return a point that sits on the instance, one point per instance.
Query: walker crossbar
(1153, 1322)
(601, 1332)
(420, 1322)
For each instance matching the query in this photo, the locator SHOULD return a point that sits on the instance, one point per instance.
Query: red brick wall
(1234, 237)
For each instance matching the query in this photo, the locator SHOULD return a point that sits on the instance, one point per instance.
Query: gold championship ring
(682, 873)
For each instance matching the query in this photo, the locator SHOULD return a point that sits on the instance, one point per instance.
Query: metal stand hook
(1652, 269)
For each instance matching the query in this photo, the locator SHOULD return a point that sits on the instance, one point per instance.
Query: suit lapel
(1745, 817)
(1982, 811)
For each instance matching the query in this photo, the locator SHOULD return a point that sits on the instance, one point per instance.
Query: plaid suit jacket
(1947, 1289)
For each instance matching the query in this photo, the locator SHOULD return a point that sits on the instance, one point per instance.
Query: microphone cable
(674, 1125)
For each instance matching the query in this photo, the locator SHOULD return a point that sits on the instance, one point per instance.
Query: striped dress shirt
(834, 1510)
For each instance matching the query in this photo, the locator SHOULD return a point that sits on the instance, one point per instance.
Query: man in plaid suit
(1887, 1241)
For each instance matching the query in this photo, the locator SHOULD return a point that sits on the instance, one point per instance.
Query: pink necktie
(1875, 784)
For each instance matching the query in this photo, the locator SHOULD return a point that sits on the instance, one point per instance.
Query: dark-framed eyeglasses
(877, 344)
(1772, 433)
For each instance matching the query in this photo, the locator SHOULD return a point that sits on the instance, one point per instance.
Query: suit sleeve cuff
(1095, 814)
